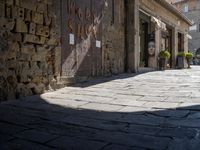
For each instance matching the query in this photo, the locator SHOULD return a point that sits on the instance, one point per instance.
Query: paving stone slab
(143, 119)
(135, 110)
(187, 122)
(142, 129)
(173, 113)
(153, 98)
(161, 105)
(19, 144)
(119, 147)
(126, 102)
(95, 123)
(101, 107)
(180, 132)
(184, 144)
(36, 136)
(10, 129)
(72, 143)
(136, 140)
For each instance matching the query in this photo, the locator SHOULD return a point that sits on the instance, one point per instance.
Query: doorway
(180, 42)
(167, 43)
(143, 43)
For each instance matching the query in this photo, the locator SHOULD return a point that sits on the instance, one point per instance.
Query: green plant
(165, 54)
(181, 54)
(189, 56)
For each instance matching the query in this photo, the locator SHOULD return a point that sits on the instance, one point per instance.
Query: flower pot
(162, 63)
(180, 62)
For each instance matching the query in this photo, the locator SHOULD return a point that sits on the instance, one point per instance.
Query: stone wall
(29, 46)
(32, 58)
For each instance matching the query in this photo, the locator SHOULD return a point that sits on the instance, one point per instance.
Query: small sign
(98, 44)
(71, 39)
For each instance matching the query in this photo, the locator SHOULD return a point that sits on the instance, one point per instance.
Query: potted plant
(163, 58)
(181, 60)
(189, 57)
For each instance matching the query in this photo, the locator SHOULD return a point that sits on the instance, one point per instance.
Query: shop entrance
(144, 43)
(167, 42)
(180, 42)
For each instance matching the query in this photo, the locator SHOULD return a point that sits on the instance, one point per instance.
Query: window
(185, 8)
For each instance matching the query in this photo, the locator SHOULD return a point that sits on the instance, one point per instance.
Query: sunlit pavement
(156, 110)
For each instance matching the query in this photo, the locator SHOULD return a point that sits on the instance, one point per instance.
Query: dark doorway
(144, 43)
(180, 42)
(167, 35)
(169, 45)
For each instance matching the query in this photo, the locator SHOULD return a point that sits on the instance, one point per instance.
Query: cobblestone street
(153, 111)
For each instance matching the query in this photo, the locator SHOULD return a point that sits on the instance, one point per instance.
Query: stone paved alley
(156, 110)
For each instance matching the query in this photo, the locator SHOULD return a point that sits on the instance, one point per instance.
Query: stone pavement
(153, 111)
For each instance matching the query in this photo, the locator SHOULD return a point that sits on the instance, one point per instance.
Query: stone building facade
(45, 44)
(169, 28)
(191, 8)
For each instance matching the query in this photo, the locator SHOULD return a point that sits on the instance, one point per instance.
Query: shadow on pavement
(98, 80)
(35, 124)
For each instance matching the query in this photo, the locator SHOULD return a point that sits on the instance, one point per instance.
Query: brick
(53, 41)
(29, 38)
(42, 30)
(37, 18)
(28, 49)
(18, 12)
(42, 40)
(16, 37)
(7, 24)
(13, 48)
(35, 70)
(27, 15)
(32, 28)
(42, 8)
(23, 56)
(31, 5)
(11, 64)
(21, 26)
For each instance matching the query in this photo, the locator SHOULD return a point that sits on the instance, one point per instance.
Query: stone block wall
(29, 47)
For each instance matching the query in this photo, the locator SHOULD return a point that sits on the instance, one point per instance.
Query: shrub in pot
(163, 58)
(180, 60)
(189, 57)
